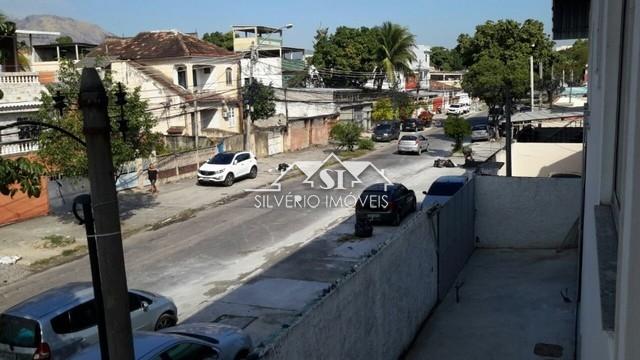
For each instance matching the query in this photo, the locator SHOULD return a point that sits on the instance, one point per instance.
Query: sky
(435, 23)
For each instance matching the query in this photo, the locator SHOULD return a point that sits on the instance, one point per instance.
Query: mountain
(79, 31)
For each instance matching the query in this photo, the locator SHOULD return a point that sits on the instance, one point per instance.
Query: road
(200, 259)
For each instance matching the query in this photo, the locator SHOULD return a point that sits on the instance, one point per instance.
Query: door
(274, 143)
(75, 329)
(140, 317)
(243, 165)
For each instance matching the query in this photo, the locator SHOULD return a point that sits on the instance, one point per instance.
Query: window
(194, 73)
(229, 75)
(135, 302)
(182, 76)
(188, 351)
(77, 319)
(243, 157)
(26, 132)
(17, 331)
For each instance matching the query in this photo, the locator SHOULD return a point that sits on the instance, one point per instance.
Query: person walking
(152, 173)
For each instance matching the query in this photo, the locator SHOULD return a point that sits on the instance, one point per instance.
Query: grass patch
(57, 241)
(346, 155)
(66, 256)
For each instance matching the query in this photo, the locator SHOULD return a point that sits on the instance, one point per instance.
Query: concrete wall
(543, 159)
(525, 212)
(297, 135)
(375, 313)
(63, 191)
(21, 207)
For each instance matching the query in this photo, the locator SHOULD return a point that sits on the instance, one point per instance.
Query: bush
(365, 144)
(457, 128)
(346, 134)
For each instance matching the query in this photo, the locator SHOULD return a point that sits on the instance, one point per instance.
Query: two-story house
(191, 86)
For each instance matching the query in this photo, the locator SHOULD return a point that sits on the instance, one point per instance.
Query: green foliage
(382, 110)
(365, 144)
(224, 40)
(404, 105)
(21, 174)
(497, 57)
(457, 128)
(395, 51)
(346, 133)
(65, 156)
(446, 59)
(261, 98)
(573, 59)
(65, 39)
(347, 50)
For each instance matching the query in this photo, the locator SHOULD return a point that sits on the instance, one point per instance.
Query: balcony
(19, 78)
(18, 147)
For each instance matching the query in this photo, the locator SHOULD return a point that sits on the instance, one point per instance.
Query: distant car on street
(386, 203)
(442, 190)
(224, 168)
(386, 132)
(456, 109)
(480, 132)
(61, 321)
(412, 125)
(195, 341)
(413, 143)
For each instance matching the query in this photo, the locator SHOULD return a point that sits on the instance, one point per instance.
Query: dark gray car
(386, 132)
(62, 320)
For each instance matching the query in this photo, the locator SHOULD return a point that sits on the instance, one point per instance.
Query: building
(191, 85)
(421, 69)
(275, 64)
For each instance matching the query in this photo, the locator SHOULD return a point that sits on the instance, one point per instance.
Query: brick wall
(21, 207)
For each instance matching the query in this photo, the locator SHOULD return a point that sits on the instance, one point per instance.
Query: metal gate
(455, 236)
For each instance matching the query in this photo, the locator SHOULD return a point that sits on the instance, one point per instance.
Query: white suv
(225, 167)
(456, 109)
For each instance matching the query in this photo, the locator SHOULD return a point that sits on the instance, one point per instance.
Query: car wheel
(396, 219)
(419, 151)
(164, 321)
(228, 181)
(253, 173)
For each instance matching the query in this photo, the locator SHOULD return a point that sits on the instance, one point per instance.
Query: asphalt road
(201, 258)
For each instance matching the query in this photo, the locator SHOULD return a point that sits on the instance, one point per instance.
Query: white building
(421, 73)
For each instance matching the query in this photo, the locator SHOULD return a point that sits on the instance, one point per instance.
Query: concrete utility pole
(247, 119)
(196, 125)
(508, 130)
(108, 239)
(531, 80)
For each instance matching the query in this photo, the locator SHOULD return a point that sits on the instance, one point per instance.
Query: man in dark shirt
(152, 172)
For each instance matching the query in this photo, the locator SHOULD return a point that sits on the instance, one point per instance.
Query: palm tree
(395, 50)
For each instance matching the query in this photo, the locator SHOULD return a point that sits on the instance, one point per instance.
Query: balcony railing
(19, 78)
(18, 147)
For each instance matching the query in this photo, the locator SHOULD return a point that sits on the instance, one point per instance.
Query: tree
(446, 59)
(261, 98)
(573, 59)
(65, 39)
(22, 175)
(224, 40)
(395, 51)
(457, 128)
(347, 57)
(346, 133)
(62, 155)
(382, 110)
(403, 104)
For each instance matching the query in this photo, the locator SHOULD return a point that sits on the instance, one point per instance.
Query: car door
(404, 195)
(141, 319)
(236, 165)
(423, 142)
(245, 164)
(75, 329)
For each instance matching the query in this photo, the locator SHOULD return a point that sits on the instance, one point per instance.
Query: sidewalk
(45, 241)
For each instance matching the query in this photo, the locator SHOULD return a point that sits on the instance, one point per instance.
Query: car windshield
(383, 127)
(18, 331)
(221, 159)
(454, 106)
(408, 137)
(444, 188)
(480, 127)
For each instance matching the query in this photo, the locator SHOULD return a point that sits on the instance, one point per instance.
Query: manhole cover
(235, 320)
(548, 350)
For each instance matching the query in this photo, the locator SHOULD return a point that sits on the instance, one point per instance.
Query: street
(200, 259)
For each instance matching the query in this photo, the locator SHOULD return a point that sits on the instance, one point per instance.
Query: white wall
(268, 71)
(520, 212)
(375, 313)
(543, 159)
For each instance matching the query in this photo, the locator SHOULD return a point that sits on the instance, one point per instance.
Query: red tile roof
(158, 45)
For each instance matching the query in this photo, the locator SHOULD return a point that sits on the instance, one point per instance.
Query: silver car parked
(63, 320)
(195, 341)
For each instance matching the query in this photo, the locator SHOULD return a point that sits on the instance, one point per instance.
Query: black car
(386, 203)
(386, 132)
(412, 125)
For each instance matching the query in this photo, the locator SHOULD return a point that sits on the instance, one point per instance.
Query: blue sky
(433, 22)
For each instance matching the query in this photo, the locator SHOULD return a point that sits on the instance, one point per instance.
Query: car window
(444, 188)
(383, 127)
(422, 137)
(188, 351)
(18, 331)
(135, 301)
(77, 319)
(480, 127)
(242, 157)
(408, 137)
(221, 159)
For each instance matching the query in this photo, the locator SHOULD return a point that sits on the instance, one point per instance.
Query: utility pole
(542, 85)
(531, 82)
(508, 130)
(247, 119)
(109, 253)
(196, 125)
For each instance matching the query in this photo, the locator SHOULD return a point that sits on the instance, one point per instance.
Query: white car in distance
(224, 168)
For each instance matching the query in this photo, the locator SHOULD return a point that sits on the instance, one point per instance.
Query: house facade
(191, 86)
(421, 69)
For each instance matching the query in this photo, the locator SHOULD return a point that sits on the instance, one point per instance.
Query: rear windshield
(383, 127)
(374, 200)
(408, 137)
(19, 332)
(221, 159)
(444, 188)
(480, 127)
(454, 106)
